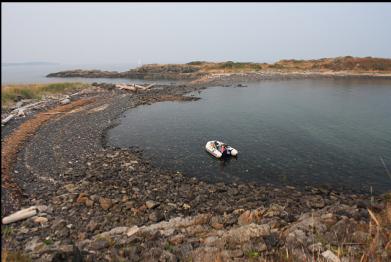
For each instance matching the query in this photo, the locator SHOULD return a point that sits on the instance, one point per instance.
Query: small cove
(296, 132)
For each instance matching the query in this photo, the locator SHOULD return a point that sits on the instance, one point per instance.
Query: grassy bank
(14, 93)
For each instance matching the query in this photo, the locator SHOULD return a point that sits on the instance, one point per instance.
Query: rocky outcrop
(339, 66)
(148, 72)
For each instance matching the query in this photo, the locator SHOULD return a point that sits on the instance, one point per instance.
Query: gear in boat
(219, 149)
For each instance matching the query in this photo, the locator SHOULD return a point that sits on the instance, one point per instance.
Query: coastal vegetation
(14, 93)
(197, 69)
(346, 63)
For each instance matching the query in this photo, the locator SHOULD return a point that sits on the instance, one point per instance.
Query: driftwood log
(20, 215)
(133, 87)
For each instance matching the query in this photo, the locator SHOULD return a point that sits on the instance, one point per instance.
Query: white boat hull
(211, 148)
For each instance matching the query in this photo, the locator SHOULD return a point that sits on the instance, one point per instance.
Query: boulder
(245, 233)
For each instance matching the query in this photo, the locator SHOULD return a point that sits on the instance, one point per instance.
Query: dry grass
(14, 93)
(380, 229)
(347, 63)
(11, 256)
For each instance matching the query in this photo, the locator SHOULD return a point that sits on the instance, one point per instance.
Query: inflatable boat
(214, 148)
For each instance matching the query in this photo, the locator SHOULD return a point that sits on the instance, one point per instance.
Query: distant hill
(29, 64)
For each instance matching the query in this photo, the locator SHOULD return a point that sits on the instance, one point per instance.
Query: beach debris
(20, 215)
(65, 101)
(133, 87)
(6, 119)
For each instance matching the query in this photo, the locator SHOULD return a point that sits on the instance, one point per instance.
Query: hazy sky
(175, 33)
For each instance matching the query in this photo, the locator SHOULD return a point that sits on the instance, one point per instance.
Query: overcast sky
(72, 33)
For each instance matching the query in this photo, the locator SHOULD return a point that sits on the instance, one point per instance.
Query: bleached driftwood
(20, 215)
(133, 87)
(149, 86)
(145, 87)
(21, 111)
(7, 119)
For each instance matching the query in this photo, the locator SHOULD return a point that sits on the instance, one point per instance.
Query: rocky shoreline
(205, 77)
(98, 203)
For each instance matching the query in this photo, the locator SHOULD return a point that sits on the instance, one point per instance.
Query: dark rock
(272, 240)
(156, 216)
(362, 204)
(74, 255)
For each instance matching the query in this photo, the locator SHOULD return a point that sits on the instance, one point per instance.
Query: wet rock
(105, 203)
(151, 204)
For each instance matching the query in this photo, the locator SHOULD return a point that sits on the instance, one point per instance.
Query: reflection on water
(298, 132)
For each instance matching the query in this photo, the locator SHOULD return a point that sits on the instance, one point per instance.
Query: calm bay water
(297, 132)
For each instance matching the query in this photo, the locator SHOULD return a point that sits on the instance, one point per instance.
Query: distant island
(37, 63)
(347, 66)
